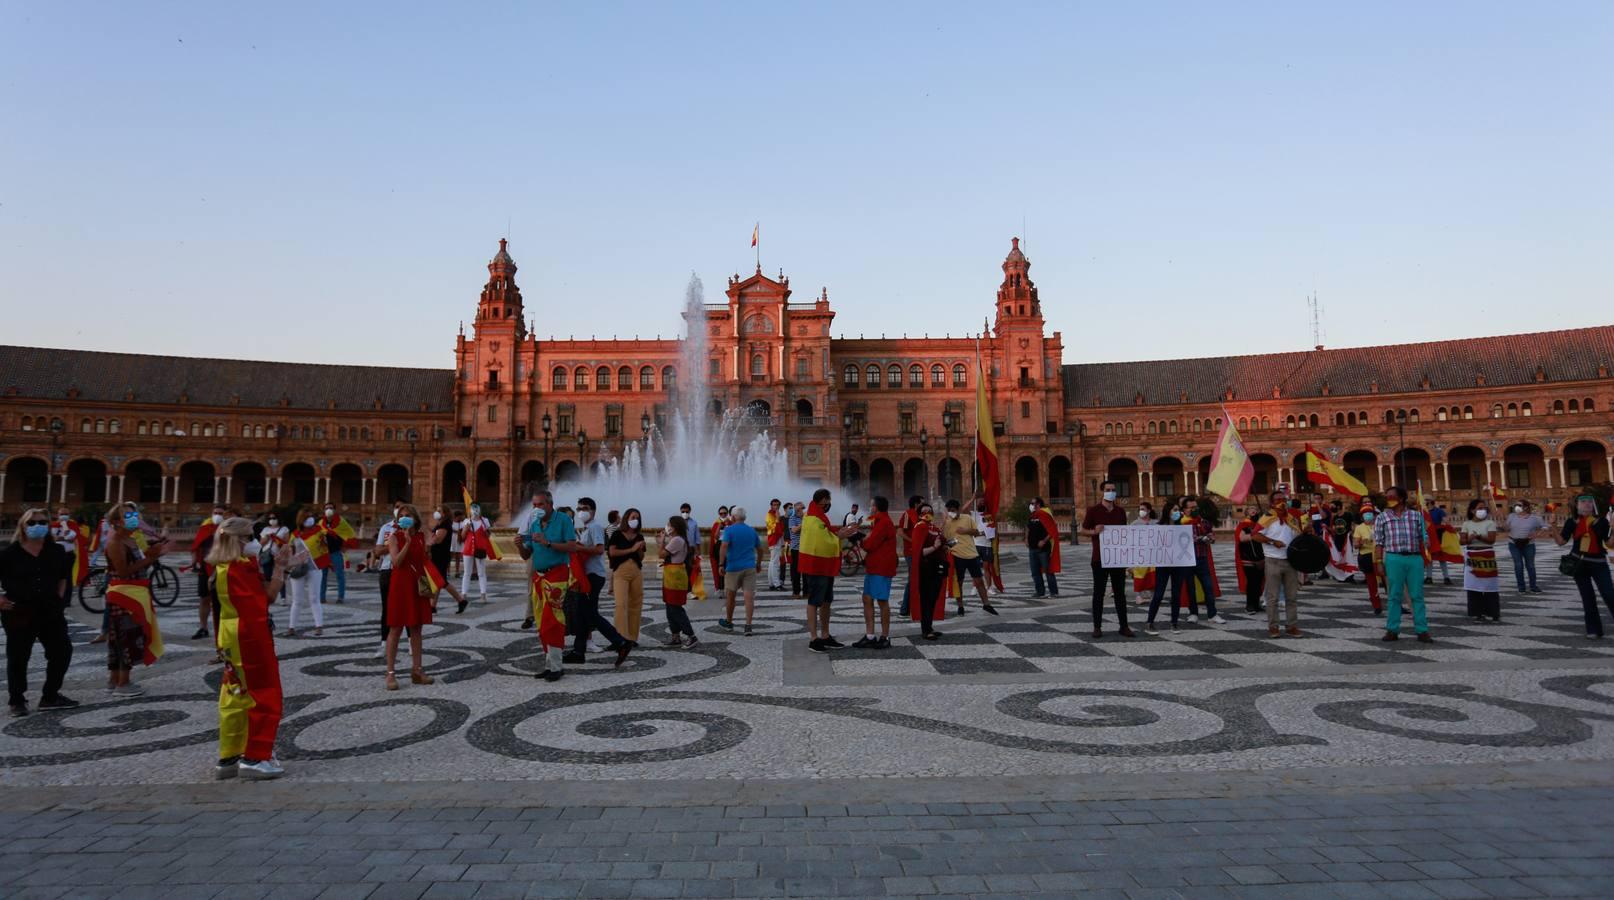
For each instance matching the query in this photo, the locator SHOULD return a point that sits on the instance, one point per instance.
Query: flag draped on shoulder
(1322, 470)
(820, 548)
(314, 539)
(986, 447)
(1231, 471)
(133, 596)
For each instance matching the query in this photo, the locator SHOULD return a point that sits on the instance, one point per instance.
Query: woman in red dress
(414, 582)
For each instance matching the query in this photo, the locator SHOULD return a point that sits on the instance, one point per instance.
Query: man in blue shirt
(549, 542)
(737, 557)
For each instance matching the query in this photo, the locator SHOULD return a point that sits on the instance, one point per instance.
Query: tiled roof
(1570, 355)
(48, 374)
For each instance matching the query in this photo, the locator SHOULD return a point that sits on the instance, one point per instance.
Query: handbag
(298, 570)
(1571, 564)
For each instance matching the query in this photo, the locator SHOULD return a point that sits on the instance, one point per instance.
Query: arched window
(1557, 407)
(1151, 428)
(257, 431)
(1440, 414)
(341, 432)
(871, 376)
(1266, 422)
(1129, 428)
(1314, 420)
(1513, 410)
(557, 378)
(580, 379)
(602, 379)
(1586, 405)
(140, 427)
(1389, 417)
(1172, 426)
(85, 426)
(849, 375)
(624, 379)
(960, 378)
(1525, 409)
(893, 375)
(916, 376)
(1196, 424)
(1496, 411)
(1350, 418)
(938, 376)
(386, 434)
(647, 378)
(365, 432)
(1574, 406)
(759, 365)
(669, 378)
(1244, 423)
(1109, 428)
(1339, 420)
(1468, 412)
(168, 428)
(1289, 422)
(246, 431)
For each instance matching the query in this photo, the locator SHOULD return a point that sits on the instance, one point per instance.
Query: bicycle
(164, 588)
(852, 558)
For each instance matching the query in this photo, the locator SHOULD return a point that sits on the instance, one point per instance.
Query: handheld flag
(466, 493)
(82, 551)
(1321, 470)
(342, 529)
(1231, 471)
(314, 539)
(986, 448)
(1497, 492)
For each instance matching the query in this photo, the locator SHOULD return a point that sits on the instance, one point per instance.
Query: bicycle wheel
(164, 585)
(92, 593)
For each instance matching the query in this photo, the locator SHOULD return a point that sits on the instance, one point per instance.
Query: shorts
(984, 551)
(820, 589)
(970, 567)
(877, 587)
(740, 580)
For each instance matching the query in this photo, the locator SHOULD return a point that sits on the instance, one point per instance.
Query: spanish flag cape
(133, 596)
(343, 529)
(81, 550)
(313, 538)
(1047, 520)
(1216, 582)
(479, 539)
(775, 528)
(1244, 527)
(715, 543)
(820, 548)
(203, 535)
(918, 535)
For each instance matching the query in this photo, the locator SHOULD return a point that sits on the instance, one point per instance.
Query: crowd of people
(243, 565)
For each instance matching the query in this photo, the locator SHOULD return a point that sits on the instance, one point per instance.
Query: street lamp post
(1401, 427)
(924, 457)
(548, 424)
(947, 446)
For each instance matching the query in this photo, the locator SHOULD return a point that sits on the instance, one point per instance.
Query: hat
(236, 526)
(1367, 506)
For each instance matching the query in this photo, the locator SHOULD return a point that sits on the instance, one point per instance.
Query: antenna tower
(1316, 308)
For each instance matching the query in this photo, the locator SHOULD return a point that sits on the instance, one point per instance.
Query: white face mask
(634, 524)
(584, 516)
(273, 523)
(217, 518)
(1110, 496)
(1481, 513)
(63, 516)
(686, 517)
(951, 514)
(308, 522)
(329, 511)
(1032, 507)
(437, 516)
(1518, 509)
(538, 514)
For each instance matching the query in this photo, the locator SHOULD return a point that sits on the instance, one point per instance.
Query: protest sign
(1146, 546)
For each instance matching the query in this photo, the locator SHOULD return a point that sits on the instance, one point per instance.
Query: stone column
(2, 483)
(1546, 466)
(229, 481)
(278, 482)
(108, 491)
(216, 480)
(63, 495)
(120, 487)
(1140, 484)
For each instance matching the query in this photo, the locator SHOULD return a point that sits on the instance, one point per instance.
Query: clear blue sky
(326, 182)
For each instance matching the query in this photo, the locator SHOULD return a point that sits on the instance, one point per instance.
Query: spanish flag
(341, 528)
(755, 232)
(820, 549)
(81, 551)
(133, 596)
(466, 493)
(433, 577)
(1231, 471)
(1321, 470)
(1497, 492)
(314, 539)
(986, 446)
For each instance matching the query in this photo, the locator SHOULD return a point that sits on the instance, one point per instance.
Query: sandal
(319, 632)
(392, 681)
(419, 677)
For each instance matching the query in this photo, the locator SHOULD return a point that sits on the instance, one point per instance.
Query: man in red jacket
(880, 567)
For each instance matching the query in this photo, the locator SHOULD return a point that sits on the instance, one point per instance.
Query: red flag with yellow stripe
(133, 596)
(314, 539)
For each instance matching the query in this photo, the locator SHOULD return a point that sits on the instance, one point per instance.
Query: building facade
(894, 415)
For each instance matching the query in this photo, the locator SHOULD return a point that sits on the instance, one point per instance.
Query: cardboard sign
(1146, 546)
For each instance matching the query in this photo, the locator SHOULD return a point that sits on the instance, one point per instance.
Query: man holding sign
(1104, 514)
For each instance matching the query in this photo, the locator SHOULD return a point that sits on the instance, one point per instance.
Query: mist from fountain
(701, 459)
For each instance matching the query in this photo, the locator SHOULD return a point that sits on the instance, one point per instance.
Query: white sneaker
(594, 647)
(263, 770)
(1194, 618)
(128, 690)
(1219, 620)
(1150, 629)
(381, 651)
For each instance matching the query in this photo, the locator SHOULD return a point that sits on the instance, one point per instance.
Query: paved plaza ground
(1016, 756)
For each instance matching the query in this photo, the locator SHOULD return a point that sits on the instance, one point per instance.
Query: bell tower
(1027, 378)
(1017, 295)
(489, 364)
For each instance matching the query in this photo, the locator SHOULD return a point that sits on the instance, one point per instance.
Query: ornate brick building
(1530, 411)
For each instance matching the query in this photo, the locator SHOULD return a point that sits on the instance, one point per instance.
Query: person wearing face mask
(339, 535)
(250, 697)
(1480, 578)
(1102, 514)
(439, 549)
(1252, 560)
(714, 558)
(1523, 526)
(1042, 545)
(134, 634)
(548, 544)
(1362, 540)
(1203, 575)
(478, 549)
(986, 540)
(74, 539)
(778, 543)
(34, 584)
(309, 559)
(738, 548)
(1400, 534)
(820, 563)
(200, 544)
(592, 544)
(1275, 532)
(931, 561)
(1143, 577)
(960, 534)
(383, 566)
(879, 568)
(796, 514)
(456, 547)
(271, 538)
(625, 549)
(1586, 533)
(410, 606)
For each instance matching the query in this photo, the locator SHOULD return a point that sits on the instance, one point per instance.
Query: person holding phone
(133, 633)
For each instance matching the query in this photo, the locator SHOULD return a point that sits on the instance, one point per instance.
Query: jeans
(678, 621)
(1524, 559)
(1404, 572)
(338, 566)
(795, 571)
(49, 628)
(1176, 578)
(1117, 582)
(1596, 574)
(1202, 573)
(589, 619)
(1039, 573)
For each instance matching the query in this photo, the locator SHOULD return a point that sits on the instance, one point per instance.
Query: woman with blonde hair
(409, 604)
(35, 574)
(250, 699)
(439, 549)
(303, 574)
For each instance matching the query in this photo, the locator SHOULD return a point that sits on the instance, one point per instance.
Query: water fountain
(701, 459)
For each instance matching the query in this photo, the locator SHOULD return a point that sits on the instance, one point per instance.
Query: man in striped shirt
(1399, 534)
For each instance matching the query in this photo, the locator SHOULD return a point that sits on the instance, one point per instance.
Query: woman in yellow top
(959, 532)
(1362, 539)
